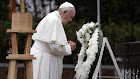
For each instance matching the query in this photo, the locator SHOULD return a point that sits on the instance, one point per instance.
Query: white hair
(67, 9)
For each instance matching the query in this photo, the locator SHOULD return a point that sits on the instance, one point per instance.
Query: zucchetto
(66, 5)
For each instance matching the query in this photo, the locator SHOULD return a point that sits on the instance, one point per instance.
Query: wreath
(88, 36)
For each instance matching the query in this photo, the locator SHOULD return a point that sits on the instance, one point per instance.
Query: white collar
(58, 15)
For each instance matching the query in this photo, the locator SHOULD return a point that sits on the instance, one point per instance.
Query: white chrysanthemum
(87, 36)
(90, 49)
(89, 30)
(91, 24)
(84, 27)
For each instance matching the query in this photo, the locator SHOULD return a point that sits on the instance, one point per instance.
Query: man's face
(68, 16)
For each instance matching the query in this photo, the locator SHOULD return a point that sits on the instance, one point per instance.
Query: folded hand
(72, 44)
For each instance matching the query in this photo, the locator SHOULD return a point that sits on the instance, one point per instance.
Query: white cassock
(49, 47)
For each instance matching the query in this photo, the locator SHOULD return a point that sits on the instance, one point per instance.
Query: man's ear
(65, 11)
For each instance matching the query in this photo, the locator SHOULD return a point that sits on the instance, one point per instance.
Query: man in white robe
(50, 43)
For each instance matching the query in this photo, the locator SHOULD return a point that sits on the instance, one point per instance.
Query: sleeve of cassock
(60, 49)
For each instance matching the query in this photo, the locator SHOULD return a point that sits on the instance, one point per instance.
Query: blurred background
(120, 22)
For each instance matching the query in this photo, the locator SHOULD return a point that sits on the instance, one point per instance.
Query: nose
(70, 20)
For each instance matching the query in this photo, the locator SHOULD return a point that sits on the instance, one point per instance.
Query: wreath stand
(96, 71)
(21, 23)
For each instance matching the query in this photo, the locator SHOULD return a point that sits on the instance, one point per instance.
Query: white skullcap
(66, 5)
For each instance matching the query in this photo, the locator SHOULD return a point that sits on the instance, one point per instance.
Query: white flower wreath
(88, 37)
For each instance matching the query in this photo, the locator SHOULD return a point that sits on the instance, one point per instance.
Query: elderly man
(51, 44)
